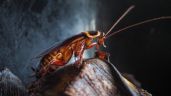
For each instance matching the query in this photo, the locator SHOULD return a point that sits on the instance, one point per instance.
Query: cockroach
(76, 45)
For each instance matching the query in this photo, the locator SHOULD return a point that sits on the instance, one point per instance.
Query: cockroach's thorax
(101, 39)
(92, 34)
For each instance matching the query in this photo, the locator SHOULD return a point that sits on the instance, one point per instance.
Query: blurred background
(28, 27)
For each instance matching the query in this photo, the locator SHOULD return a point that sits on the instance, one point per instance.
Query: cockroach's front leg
(92, 45)
(102, 55)
(99, 54)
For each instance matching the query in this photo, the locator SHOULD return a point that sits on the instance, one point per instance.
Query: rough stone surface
(11, 85)
(93, 78)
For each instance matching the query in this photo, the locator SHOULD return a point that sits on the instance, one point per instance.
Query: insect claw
(104, 45)
(102, 55)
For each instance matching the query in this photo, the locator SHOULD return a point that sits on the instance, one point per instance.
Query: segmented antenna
(120, 18)
(137, 24)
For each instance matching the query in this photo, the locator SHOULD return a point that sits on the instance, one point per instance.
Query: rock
(11, 85)
(93, 78)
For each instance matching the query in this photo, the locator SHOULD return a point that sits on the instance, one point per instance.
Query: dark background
(27, 27)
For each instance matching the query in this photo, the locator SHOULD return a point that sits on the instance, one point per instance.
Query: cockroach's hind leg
(78, 63)
(102, 55)
(78, 59)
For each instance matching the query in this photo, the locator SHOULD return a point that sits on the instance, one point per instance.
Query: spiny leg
(78, 53)
(99, 54)
(79, 56)
(102, 55)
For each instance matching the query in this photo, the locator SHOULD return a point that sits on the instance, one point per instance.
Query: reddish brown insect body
(76, 45)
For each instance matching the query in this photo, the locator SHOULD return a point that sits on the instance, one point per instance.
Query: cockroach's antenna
(123, 15)
(137, 24)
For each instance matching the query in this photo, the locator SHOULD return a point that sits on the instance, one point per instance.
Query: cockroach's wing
(59, 45)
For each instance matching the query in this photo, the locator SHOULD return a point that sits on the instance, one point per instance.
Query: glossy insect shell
(61, 54)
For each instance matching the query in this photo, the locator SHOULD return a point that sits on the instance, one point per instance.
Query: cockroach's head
(101, 39)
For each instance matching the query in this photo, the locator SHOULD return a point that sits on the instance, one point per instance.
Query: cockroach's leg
(76, 55)
(91, 45)
(102, 55)
(79, 54)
